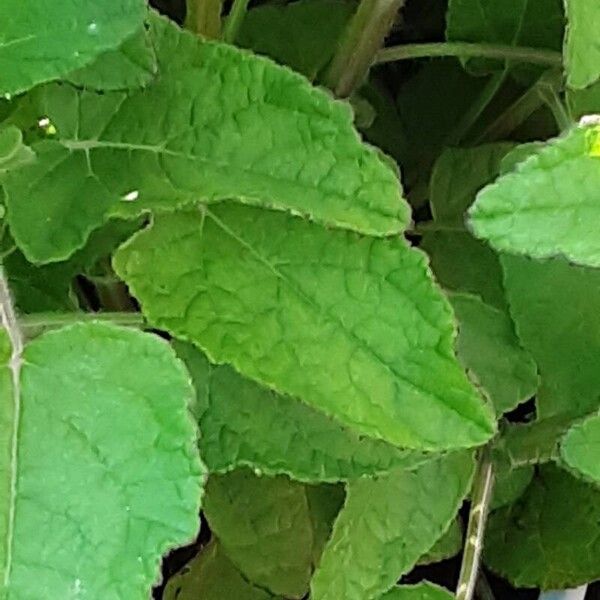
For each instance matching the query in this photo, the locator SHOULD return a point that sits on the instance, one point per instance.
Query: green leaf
(457, 177)
(421, 591)
(584, 102)
(580, 448)
(353, 326)
(99, 469)
(217, 123)
(264, 527)
(534, 23)
(212, 576)
(40, 41)
(387, 524)
(554, 306)
(132, 65)
(13, 152)
(243, 424)
(549, 205)
(510, 483)
(447, 546)
(490, 351)
(462, 263)
(302, 35)
(582, 50)
(551, 537)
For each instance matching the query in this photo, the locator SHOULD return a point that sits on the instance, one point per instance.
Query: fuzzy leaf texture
(550, 204)
(244, 424)
(41, 41)
(216, 123)
(387, 524)
(99, 474)
(582, 47)
(353, 326)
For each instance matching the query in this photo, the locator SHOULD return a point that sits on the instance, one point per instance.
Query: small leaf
(212, 576)
(550, 538)
(582, 50)
(352, 326)
(387, 524)
(580, 448)
(132, 65)
(447, 546)
(264, 527)
(99, 471)
(216, 123)
(421, 591)
(550, 204)
(40, 40)
(555, 307)
(490, 351)
(243, 424)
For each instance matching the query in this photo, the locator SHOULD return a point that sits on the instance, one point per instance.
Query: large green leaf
(264, 526)
(580, 448)
(40, 40)
(421, 591)
(212, 576)
(243, 424)
(555, 307)
(13, 152)
(353, 326)
(99, 470)
(489, 349)
(302, 35)
(550, 538)
(447, 546)
(550, 205)
(217, 123)
(387, 524)
(582, 48)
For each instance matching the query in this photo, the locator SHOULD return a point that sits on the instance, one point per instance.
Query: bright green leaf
(99, 468)
(582, 48)
(551, 537)
(212, 576)
(13, 152)
(387, 524)
(264, 527)
(580, 448)
(302, 35)
(447, 546)
(548, 206)
(490, 351)
(352, 326)
(421, 591)
(555, 307)
(243, 424)
(584, 102)
(217, 123)
(40, 40)
(130, 66)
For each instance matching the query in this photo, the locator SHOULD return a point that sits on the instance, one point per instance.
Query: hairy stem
(204, 17)
(234, 20)
(364, 37)
(481, 495)
(10, 323)
(35, 324)
(537, 56)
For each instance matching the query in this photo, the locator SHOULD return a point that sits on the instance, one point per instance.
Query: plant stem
(35, 324)
(551, 99)
(204, 17)
(234, 20)
(538, 56)
(360, 44)
(481, 496)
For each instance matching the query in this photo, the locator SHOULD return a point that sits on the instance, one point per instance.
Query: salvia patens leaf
(41, 41)
(580, 448)
(420, 591)
(244, 424)
(353, 326)
(550, 538)
(582, 49)
(217, 123)
(550, 204)
(447, 546)
(387, 524)
(13, 152)
(99, 465)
